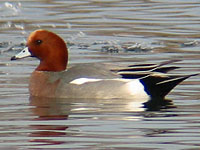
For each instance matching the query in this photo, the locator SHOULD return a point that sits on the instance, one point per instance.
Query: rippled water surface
(118, 31)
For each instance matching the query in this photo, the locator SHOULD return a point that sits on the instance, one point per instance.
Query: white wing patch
(80, 81)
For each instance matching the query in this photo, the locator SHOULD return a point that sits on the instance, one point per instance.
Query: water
(120, 31)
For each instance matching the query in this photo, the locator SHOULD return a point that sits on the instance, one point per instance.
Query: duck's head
(49, 48)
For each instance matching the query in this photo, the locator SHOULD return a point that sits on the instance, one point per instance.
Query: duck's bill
(24, 53)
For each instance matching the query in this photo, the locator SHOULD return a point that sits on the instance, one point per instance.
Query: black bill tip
(13, 58)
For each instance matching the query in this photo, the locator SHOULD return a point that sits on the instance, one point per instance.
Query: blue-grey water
(118, 31)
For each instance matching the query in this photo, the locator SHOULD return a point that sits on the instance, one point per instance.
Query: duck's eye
(38, 42)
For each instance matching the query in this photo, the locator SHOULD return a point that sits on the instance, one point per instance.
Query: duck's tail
(154, 77)
(159, 85)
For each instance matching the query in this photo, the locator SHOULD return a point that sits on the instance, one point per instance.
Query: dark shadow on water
(156, 104)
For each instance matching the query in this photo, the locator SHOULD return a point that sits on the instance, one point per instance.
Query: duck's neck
(51, 66)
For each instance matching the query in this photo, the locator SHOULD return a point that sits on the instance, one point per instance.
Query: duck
(54, 78)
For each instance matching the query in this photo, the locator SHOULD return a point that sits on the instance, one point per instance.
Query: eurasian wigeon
(52, 78)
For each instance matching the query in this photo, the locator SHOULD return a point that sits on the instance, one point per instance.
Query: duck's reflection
(46, 110)
(52, 114)
(49, 108)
